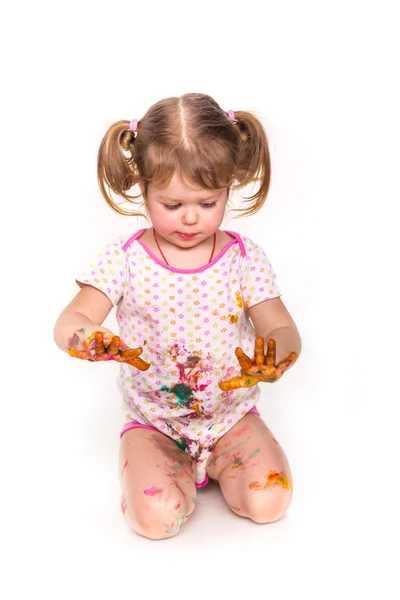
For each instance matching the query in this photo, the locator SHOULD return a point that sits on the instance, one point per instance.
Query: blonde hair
(192, 136)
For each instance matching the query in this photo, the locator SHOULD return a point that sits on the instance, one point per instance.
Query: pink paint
(240, 431)
(153, 491)
(177, 506)
(124, 467)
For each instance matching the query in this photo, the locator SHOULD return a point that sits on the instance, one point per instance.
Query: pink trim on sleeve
(132, 239)
(239, 241)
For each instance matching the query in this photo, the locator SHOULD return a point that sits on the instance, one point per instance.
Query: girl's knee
(159, 514)
(267, 506)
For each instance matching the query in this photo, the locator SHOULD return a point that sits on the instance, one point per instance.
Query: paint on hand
(124, 467)
(75, 340)
(272, 479)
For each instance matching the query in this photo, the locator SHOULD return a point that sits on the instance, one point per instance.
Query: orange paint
(262, 368)
(97, 349)
(274, 478)
(239, 299)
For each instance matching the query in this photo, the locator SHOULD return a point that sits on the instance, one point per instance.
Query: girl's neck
(180, 258)
(163, 255)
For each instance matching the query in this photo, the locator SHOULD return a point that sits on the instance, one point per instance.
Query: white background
(323, 77)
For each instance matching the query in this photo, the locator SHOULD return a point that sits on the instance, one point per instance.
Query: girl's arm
(271, 320)
(82, 316)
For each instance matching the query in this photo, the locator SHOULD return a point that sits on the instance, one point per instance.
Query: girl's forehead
(177, 187)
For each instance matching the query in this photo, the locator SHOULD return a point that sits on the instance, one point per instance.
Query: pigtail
(254, 162)
(116, 166)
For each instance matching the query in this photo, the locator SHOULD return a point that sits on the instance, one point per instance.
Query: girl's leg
(252, 470)
(158, 483)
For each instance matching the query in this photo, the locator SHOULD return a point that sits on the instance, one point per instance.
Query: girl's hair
(192, 136)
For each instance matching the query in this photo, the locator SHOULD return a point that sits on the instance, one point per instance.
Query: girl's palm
(100, 346)
(262, 368)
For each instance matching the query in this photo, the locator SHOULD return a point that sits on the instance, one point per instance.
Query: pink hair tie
(231, 116)
(133, 126)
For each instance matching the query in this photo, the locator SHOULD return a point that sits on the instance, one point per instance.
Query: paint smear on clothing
(272, 479)
(183, 393)
(153, 491)
(239, 300)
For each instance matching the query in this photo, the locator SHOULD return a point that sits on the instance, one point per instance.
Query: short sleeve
(258, 279)
(108, 272)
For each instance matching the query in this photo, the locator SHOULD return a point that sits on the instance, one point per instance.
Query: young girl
(200, 318)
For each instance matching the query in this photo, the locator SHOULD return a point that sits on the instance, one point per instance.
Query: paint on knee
(177, 523)
(154, 491)
(272, 479)
(124, 467)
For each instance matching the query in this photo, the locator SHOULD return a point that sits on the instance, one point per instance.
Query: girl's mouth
(186, 235)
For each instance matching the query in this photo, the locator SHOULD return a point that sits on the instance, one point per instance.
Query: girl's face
(184, 216)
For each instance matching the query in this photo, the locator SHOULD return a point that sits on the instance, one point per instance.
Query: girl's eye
(176, 206)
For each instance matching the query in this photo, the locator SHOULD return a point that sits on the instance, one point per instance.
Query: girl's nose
(189, 216)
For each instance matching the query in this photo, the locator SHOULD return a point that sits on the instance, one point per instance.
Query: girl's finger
(259, 351)
(230, 384)
(82, 354)
(138, 363)
(244, 361)
(131, 353)
(284, 364)
(99, 343)
(113, 347)
(271, 353)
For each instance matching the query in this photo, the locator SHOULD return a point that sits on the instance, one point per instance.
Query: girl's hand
(104, 345)
(262, 368)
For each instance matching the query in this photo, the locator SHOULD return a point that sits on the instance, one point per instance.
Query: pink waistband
(136, 424)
